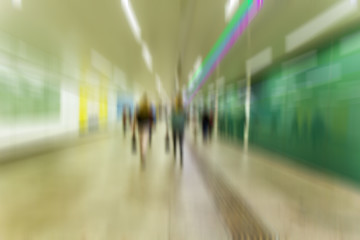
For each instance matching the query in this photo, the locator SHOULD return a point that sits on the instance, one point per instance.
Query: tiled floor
(291, 200)
(241, 221)
(100, 191)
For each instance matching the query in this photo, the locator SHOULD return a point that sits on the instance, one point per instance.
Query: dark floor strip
(241, 222)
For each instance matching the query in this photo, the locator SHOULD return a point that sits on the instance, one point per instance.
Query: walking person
(130, 115)
(124, 120)
(205, 123)
(211, 124)
(142, 121)
(152, 122)
(178, 119)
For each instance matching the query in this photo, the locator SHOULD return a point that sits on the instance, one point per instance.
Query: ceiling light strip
(240, 14)
(130, 15)
(237, 34)
(221, 47)
(226, 41)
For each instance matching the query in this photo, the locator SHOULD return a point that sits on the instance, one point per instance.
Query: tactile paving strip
(241, 222)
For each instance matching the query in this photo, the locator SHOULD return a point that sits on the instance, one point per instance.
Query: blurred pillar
(83, 99)
(216, 103)
(247, 96)
(103, 106)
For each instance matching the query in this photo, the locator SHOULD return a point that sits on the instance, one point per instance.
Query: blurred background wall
(306, 107)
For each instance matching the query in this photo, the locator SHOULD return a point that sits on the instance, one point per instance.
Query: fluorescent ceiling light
(230, 8)
(17, 4)
(147, 56)
(197, 66)
(197, 69)
(198, 62)
(259, 61)
(130, 15)
(355, 2)
(158, 84)
(319, 24)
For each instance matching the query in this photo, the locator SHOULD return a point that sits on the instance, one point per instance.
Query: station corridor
(179, 119)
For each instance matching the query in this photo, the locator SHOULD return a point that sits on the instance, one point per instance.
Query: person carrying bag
(178, 120)
(142, 122)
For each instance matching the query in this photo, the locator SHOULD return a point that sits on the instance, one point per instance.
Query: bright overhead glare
(197, 69)
(259, 61)
(17, 4)
(319, 24)
(130, 15)
(355, 2)
(198, 63)
(230, 8)
(239, 23)
(147, 56)
(158, 84)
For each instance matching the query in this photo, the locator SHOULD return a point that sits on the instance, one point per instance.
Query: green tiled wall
(307, 108)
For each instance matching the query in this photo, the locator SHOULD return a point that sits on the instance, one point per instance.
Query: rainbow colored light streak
(242, 18)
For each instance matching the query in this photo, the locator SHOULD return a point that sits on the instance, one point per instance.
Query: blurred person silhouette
(205, 124)
(143, 122)
(130, 115)
(159, 112)
(152, 122)
(178, 119)
(167, 137)
(211, 124)
(124, 120)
